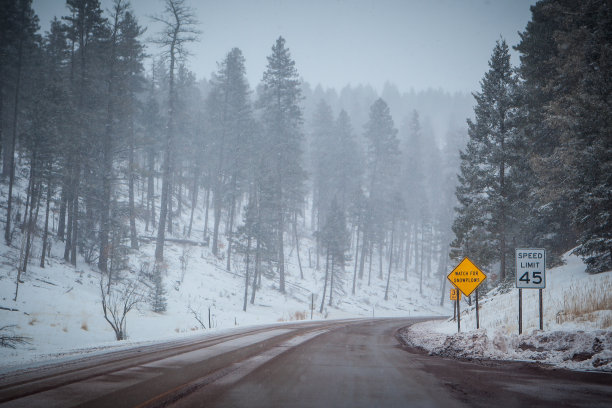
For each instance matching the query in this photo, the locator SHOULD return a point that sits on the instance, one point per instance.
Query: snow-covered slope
(59, 306)
(577, 323)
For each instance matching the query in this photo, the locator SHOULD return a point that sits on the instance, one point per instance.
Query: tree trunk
(46, 230)
(256, 273)
(371, 249)
(230, 231)
(75, 217)
(150, 190)
(297, 246)
(131, 176)
(380, 258)
(390, 262)
(32, 219)
(407, 257)
(194, 200)
(331, 281)
(281, 253)
(421, 263)
(356, 256)
(217, 220)
(246, 279)
(62, 213)
(69, 205)
(11, 152)
(325, 282)
(206, 212)
(169, 214)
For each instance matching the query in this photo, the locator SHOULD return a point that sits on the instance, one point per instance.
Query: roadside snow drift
(577, 323)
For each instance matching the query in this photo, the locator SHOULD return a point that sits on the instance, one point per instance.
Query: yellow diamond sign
(466, 277)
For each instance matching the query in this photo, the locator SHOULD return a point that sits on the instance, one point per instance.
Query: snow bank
(577, 322)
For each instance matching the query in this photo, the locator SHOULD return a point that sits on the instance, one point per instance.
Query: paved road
(341, 364)
(365, 366)
(355, 366)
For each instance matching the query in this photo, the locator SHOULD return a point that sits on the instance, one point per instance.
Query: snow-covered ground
(59, 307)
(577, 324)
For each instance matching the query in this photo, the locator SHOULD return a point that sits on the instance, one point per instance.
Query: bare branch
(180, 28)
(9, 339)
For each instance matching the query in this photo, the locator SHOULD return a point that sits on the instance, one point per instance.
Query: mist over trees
(112, 149)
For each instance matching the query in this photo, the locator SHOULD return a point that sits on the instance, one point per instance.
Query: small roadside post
(530, 274)
(311, 304)
(455, 296)
(466, 277)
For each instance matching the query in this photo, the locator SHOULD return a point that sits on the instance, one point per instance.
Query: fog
(412, 44)
(351, 149)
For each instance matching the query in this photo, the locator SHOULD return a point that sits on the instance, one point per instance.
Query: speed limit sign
(530, 268)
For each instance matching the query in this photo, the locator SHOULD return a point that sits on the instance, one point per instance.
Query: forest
(114, 147)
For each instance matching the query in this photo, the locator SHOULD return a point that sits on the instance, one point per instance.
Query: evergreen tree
(279, 101)
(230, 123)
(179, 30)
(576, 170)
(16, 48)
(484, 217)
(159, 302)
(550, 208)
(382, 169)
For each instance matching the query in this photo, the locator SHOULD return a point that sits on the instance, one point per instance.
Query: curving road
(352, 363)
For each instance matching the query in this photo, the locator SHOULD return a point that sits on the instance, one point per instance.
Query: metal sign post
(466, 277)
(530, 274)
(541, 311)
(458, 315)
(520, 311)
(477, 318)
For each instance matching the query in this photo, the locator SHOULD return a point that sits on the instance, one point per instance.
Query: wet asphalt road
(319, 364)
(365, 366)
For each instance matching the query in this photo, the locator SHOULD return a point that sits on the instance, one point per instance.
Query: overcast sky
(412, 43)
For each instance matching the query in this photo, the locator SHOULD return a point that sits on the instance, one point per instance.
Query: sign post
(466, 277)
(477, 317)
(530, 274)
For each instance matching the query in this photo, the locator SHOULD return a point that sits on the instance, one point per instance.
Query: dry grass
(84, 326)
(588, 302)
(65, 329)
(299, 315)
(33, 321)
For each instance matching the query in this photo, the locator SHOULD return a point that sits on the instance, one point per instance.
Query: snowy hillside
(577, 323)
(59, 307)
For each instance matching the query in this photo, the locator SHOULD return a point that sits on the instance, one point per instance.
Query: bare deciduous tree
(117, 303)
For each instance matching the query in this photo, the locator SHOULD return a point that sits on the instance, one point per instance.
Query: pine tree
(179, 30)
(279, 101)
(550, 207)
(382, 169)
(230, 121)
(87, 30)
(22, 31)
(159, 302)
(482, 226)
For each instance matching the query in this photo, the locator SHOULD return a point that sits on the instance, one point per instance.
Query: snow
(59, 307)
(577, 323)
